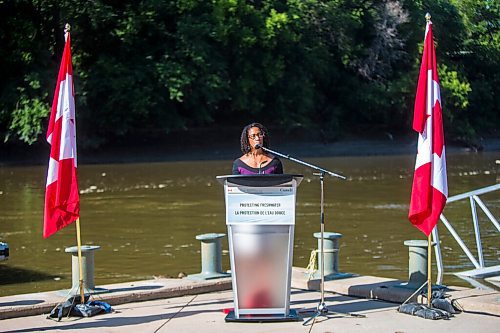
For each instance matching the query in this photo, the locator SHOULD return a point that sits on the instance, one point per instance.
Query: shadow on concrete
(329, 298)
(103, 322)
(343, 310)
(317, 296)
(361, 306)
(13, 275)
(22, 303)
(228, 302)
(137, 288)
(380, 290)
(338, 304)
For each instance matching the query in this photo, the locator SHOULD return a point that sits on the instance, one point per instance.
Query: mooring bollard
(417, 262)
(331, 250)
(211, 258)
(87, 268)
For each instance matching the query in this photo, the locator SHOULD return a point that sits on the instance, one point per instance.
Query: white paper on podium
(261, 205)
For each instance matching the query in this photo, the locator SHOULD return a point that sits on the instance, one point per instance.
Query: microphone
(258, 146)
(260, 166)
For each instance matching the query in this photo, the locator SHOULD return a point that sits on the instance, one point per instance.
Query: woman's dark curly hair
(245, 145)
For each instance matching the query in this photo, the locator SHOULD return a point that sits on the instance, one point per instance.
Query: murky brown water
(145, 218)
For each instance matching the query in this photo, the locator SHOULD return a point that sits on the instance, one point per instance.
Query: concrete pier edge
(370, 287)
(120, 293)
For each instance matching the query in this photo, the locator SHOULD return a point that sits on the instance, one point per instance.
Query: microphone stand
(260, 166)
(322, 309)
(288, 157)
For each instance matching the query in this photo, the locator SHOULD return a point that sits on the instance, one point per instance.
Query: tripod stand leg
(321, 310)
(313, 317)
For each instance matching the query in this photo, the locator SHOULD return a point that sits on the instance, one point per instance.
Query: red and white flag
(430, 185)
(62, 202)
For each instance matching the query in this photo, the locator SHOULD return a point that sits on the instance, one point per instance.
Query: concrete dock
(180, 305)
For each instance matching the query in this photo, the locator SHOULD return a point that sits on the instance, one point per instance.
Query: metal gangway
(480, 271)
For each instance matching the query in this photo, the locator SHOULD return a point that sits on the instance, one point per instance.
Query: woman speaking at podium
(256, 160)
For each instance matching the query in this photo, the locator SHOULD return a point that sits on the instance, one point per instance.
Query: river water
(145, 218)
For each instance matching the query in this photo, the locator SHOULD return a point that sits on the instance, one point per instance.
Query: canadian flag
(430, 186)
(62, 202)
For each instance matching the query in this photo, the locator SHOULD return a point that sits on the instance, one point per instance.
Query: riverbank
(180, 305)
(212, 145)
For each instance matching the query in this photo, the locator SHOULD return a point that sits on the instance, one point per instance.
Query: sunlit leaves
(332, 65)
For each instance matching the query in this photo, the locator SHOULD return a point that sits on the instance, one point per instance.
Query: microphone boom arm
(312, 166)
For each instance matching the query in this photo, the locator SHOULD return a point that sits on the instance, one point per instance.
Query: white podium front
(260, 217)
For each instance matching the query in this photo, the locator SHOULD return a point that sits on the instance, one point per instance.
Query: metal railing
(473, 199)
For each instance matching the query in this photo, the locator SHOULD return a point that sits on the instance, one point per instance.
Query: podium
(260, 219)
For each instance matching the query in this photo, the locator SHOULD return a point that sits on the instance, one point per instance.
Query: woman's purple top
(240, 168)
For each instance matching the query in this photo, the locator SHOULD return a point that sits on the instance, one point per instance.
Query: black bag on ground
(423, 311)
(65, 309)
(433, 314)
(440, 301)
(443, 304)
(85, 310)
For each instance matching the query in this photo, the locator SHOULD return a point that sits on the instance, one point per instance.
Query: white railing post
(487, 212)
(459, 241)
(439, 258)
(477, 232)
(473, 199)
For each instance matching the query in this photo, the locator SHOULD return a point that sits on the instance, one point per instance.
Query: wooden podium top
(260, 180)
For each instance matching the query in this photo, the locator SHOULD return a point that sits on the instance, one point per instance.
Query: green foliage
(27, 119)
(339, 66)
(455, 98)
(455, 92)
(29, 112)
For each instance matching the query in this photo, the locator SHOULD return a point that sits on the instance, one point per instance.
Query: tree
(339, 66)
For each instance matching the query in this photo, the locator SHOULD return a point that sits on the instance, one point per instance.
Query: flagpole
(67, 29)
(429, 241)
(429, 269)
(80, 264)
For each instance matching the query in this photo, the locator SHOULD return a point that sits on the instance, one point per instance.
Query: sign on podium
(260, 217)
